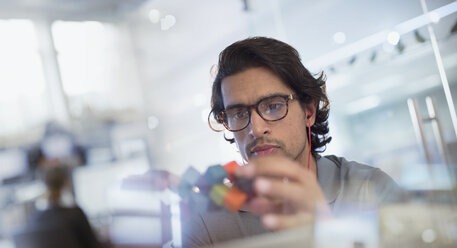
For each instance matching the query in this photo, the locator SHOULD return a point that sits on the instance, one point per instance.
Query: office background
(116, 88)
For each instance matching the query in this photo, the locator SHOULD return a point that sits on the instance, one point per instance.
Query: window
(93, 74)
(23, 101)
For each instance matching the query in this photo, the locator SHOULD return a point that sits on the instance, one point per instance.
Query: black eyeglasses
(236, 118)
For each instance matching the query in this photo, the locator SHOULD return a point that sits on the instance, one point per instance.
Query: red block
(234, 199)
(230, 168)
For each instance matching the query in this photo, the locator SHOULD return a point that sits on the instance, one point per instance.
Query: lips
(264, 150)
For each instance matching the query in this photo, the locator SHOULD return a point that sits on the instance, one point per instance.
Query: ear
(310, 111)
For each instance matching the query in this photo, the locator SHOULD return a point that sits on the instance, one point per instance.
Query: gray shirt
(347, 186)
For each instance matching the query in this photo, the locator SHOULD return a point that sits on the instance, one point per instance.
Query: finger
(300, 197)
(282, 167)
(276, 222)
(261, 205)
(247, 171)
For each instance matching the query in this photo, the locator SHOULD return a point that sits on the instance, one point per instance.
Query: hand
(286, 194)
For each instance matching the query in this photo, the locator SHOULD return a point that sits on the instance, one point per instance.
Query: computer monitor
(93, 184)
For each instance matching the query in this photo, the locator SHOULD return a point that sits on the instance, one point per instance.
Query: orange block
(230, 168)
(234, 199)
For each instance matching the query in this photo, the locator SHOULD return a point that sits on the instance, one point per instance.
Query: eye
(237, 114)
(241, 114)
(274, 106)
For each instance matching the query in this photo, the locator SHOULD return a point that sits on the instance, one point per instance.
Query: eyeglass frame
(219, 118)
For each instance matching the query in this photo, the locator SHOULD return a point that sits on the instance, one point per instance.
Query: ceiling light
(339, 37)
(434, 17)
(154, 15)
(393, 38)
(153, 122)
(167, 22)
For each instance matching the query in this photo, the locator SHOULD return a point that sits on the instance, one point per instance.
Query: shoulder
(76, 210)
(364, 178)
(64, 214)
(356, 170)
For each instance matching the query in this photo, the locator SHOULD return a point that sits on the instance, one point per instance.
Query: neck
(54, 197)
(312, 165)
(302, 159)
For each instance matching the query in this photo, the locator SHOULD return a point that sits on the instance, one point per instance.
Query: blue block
(203, 185)
(184, 190)
(191, 176)
(215, 174)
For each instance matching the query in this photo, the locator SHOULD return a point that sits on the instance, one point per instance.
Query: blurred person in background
(61, 223)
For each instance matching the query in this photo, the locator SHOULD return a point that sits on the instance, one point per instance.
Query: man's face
(286, 136)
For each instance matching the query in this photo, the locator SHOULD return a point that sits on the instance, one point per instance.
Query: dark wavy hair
(284, 61)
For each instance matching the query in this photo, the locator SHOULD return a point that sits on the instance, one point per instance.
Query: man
(278, 112)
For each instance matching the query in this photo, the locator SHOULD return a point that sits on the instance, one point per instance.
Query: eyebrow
(239, 105)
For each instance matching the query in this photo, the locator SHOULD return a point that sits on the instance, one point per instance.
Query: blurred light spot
(167, 22)
(434, 17)
(199, 99)
(227, 182)
(154, 15)
(393, 38)
(153, 122)
(339, 37)
(195, 189)
(428, 236)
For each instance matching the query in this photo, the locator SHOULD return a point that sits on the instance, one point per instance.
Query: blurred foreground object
(399, 225)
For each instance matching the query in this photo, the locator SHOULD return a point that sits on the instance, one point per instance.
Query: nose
(258, 127)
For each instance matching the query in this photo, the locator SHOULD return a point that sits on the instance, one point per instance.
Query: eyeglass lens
(270, 109)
